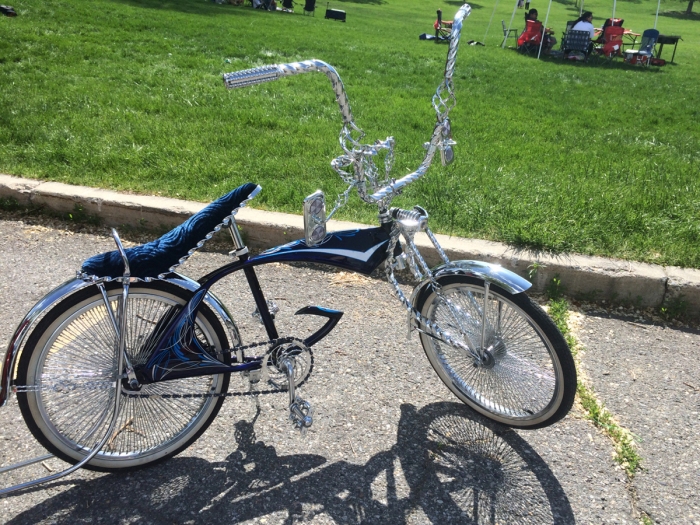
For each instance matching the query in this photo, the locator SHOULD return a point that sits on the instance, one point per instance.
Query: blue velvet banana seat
(156, 257)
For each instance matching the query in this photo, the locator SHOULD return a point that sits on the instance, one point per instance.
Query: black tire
(70, 360)
(528, 379)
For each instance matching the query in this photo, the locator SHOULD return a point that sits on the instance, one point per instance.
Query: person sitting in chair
(584, 23)
(549, 40)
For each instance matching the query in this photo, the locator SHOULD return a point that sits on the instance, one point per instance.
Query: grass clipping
(625, 447)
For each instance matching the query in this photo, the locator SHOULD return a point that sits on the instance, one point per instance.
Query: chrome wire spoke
(522, 380)
(74, 384)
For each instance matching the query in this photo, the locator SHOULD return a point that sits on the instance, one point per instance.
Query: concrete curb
(592, 278)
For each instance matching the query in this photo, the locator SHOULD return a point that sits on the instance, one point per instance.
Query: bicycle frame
(361, 251)
(175, 356)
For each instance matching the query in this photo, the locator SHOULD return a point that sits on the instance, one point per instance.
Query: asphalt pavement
(389, 444)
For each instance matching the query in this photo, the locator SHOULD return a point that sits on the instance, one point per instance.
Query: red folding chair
(612, 42)
(529, 40)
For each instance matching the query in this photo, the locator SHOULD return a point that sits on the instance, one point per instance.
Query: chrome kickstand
(121, 348)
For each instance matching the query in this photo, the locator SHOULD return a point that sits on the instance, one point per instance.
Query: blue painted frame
(177, 353)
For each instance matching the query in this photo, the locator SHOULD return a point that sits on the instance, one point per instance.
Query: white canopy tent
(549, 6)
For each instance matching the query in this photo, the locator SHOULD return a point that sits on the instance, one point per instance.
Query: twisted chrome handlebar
(443, 101)
(441, 138)
(463, 13)
(258, 75)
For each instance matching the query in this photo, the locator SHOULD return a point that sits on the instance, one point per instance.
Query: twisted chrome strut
(120, 329)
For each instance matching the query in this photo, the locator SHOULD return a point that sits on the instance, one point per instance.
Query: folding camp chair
(443, 28)
(645, 53)
(310, 7)
(612, 42)
(576, 42)
(569, 25)
(508, 32)
(529, 40)
(613, 22)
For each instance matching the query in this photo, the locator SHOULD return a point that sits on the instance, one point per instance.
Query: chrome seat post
(239, 247)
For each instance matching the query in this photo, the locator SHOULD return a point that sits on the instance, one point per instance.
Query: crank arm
(333, 318)
(300, 411)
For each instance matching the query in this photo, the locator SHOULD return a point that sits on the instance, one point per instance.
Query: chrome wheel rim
(74, 376)
(520, 378)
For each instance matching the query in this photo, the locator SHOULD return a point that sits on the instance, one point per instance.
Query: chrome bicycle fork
(406, 224)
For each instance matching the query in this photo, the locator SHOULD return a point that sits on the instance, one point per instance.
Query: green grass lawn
(592, 158)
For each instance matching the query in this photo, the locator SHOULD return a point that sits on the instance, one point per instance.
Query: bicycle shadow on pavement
(448, 466)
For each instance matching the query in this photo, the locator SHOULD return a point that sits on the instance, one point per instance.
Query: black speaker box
(335, 14)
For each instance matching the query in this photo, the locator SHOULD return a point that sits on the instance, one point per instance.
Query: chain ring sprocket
(303, 364)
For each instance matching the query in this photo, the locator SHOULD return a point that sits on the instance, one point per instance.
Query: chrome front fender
(70, 287)
(496, 274)
(491, 273)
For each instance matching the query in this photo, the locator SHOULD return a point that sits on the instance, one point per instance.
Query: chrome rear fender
(70, 287)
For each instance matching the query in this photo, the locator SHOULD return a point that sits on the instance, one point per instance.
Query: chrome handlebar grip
(250, 77)
(258, 75)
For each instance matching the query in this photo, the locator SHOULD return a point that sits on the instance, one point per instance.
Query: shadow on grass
(595, 61)
(319, 4)
(199, 7)
(572, 7)
(194, 7)
(681, 15)
(460, 3)
(448, 463)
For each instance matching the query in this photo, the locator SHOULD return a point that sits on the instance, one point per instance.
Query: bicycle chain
(272, 344)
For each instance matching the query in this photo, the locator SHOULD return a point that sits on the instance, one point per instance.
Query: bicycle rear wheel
(527, 378)
(69, 366)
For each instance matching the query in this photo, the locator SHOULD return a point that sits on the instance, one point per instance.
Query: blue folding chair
(644, 54)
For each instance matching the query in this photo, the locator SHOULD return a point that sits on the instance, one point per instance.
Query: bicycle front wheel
(69, 369)
(523, 376)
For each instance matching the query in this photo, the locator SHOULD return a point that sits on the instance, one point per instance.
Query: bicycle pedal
(253, 377)
(272, 308)
(301, 415)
